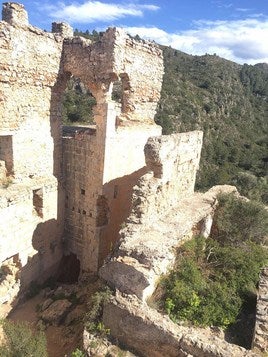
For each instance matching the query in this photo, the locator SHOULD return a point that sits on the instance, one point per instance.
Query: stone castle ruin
(68, 194)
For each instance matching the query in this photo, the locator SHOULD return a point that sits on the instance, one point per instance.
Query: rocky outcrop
(97, 346)
(56, 311)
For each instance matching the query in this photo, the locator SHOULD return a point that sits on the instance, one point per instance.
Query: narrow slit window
(115, 191)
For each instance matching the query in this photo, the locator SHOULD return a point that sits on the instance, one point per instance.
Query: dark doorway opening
(69, 269)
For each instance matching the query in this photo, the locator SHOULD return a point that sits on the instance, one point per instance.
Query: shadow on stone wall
(119, 194)
(48, 252)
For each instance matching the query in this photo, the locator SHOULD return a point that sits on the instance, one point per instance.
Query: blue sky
(235, 29)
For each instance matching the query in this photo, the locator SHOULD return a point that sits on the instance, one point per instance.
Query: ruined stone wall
(26, 82)
(122, 129)
(100, 170)
(174, 161)
(260, 340)
(31, 208)
(123, 166)
(158, 221)
(144, 330)
(140, 68)
(30, 228)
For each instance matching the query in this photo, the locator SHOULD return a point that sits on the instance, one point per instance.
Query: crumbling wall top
(63, 29)
(15, 14)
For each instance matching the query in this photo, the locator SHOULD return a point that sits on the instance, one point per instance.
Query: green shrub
(215, 277)
(212, 290)
(20, 341)
(77, 353)
(238, 221)
(93, 316)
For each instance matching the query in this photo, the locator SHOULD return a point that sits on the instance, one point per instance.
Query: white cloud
(92, 11)
(242, 41)
(241, 9)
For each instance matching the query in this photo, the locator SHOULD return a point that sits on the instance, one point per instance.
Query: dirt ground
(64, 338)
(61, 340)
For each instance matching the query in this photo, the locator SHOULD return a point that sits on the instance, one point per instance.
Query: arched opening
(121, 91)
(69, 269)
(77, 103)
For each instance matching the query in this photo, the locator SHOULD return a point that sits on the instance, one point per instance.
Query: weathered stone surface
(14, 14)
(97, 346)
(154, 229)
(260, 339)
(136, 325)
(56, 311)
(9, 283)
(46, 304)
(3, 172)
(158, 220)
(75, 315)
(31, 214)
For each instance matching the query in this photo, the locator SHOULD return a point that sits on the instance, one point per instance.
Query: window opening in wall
(78, 103)
(117, 92)
(83, 192)
(126, 91)
(38, 201)
(6, 152)
(115, 191)
(67, 201)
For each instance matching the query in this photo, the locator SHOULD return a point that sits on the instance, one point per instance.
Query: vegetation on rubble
(228, 101)
(93, 323)
(215, 279)
(77, 353)
(20, 341)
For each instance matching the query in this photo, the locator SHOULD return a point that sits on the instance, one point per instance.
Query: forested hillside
(228, 101)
